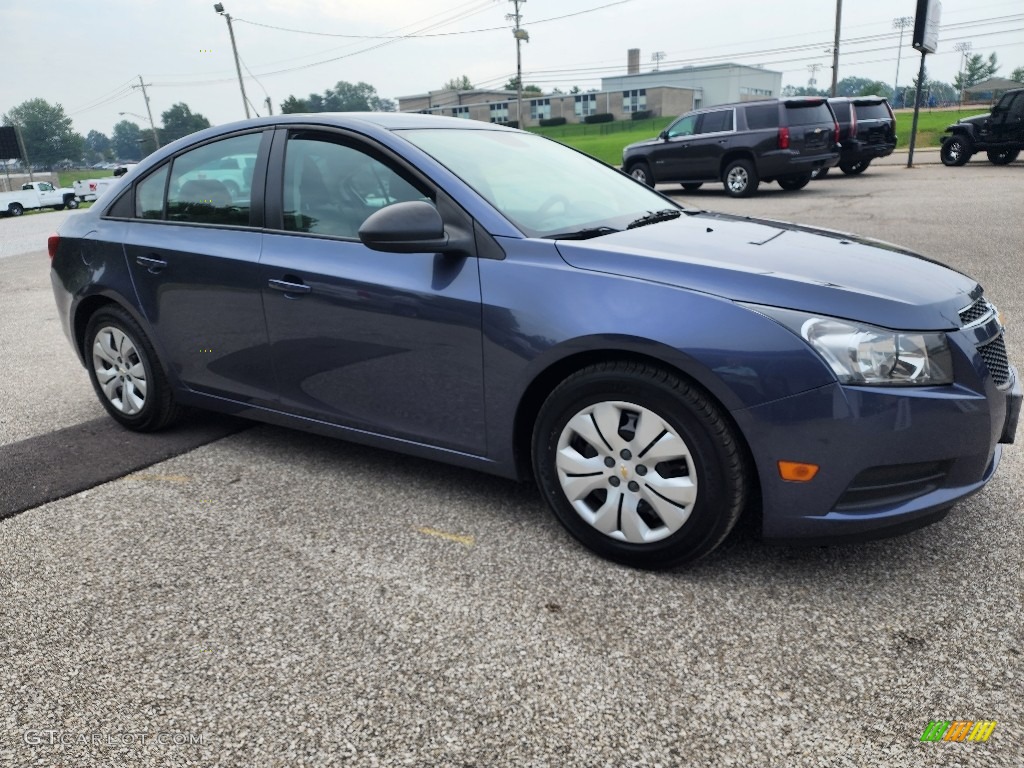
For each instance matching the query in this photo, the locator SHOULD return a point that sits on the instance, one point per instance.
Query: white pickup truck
(91, 189)
(37, 194)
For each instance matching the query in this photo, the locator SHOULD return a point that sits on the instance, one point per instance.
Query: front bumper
(890, 460)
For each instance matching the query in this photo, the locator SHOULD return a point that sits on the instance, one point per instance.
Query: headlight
(863, 354)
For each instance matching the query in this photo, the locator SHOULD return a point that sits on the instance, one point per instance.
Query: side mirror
(663, 135)
(411, 227)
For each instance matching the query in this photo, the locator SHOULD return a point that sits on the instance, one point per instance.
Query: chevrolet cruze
(486, 297)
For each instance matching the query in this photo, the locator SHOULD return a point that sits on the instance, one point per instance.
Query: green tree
(458, 84)
(1018, 75)
(180, 121)
(977, 69)
(46, 132)
(97, 147)
(874, 88)
(513, 84)
(126, 141)
(803, 90)
(343, 97)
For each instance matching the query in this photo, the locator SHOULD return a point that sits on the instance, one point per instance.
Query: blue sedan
(485, 297)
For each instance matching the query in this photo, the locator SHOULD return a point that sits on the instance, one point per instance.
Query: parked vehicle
(867, 130)
(999, 134)
(37, 194)
(92, 189)
(741, 145)
(490, 298)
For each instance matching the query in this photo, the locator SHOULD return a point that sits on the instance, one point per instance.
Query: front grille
(998, 364)
(972, 314)
(893, 484)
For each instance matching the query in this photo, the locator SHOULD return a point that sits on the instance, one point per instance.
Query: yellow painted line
(467, 541)
(161, 478)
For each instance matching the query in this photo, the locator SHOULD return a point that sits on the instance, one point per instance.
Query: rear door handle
(151, 264)
(288, 287)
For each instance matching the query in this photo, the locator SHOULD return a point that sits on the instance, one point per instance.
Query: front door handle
(152, 265)
(287, 287)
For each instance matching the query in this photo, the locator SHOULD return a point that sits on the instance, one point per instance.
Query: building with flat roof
(713, 84)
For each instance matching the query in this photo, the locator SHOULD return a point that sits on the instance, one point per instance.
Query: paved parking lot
(276, 599)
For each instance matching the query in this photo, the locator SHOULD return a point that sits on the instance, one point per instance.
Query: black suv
(1000, 133)
(740, 145)
(867, 129)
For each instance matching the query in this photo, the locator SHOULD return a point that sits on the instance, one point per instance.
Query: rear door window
(716, 122)
(876, 111)
(810, 114)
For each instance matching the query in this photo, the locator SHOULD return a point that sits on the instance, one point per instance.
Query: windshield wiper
(653, 217)
(584, 234)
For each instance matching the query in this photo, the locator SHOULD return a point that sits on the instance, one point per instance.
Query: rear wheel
(639, 465)
(793, 183)
(15, 209)
(58, 207)
(126, 374)
(854, 167)
(642, 173)
(71, 202)
(693, 186)
(740, 178)
(1002, 156)
(956, 150)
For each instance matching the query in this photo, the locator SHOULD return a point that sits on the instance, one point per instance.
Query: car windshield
(544, 188)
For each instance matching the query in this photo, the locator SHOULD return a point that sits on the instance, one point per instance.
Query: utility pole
(835, 48)
(657, 57)
(24, 152)
(964, 49)
(520, 35)
(152, 125)
(219, 8)
(813, 69)
(900, 23)
(270, 107)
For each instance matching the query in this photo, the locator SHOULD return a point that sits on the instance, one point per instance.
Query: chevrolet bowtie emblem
(624, 472)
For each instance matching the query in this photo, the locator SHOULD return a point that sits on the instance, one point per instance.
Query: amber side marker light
(51, 245)
(797, 472)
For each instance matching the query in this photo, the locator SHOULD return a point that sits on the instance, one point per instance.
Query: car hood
(645, 143)
(784, 265)
(976, 119)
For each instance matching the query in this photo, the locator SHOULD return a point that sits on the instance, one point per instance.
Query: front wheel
(820, 173)
(639, 465)
(793, 183)
(125, 372)
(740, 178)
(642, 173)
(956, 150)
(1002, 156)
(854, 167)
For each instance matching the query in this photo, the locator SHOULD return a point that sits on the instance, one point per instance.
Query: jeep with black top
(999, 133)
(740, 145)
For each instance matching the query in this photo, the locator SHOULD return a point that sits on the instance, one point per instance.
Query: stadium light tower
(900, 23)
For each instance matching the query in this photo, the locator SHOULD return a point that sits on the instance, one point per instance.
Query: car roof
(389, 121)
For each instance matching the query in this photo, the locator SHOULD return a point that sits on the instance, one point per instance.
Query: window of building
(540, 109)
(212, 184)
(634, 101)
(331, 188)
(499, 113)
(586, 104)
(460, 112)
(745, 91)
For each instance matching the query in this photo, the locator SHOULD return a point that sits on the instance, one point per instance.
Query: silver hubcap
(626, 472)
(737, 179)
(639, 175)
(119, 370)
(954, 150)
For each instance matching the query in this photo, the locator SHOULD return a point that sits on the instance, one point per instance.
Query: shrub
(547, 123)
(603, 117)
(643, 114)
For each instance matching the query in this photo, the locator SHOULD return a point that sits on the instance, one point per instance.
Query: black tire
(158, 409)
(820, 173)
(793, 183)
(740, 178)
(715, 464)
(956, 150)
(693, 186)
(15, 209)
(854, 167)
(71, 202)
(58, 207)
(641, 171)
(1002, 156)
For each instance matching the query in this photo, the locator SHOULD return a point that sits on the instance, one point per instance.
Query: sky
(86, 55)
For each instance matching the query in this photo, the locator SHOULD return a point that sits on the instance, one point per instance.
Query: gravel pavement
(278, 599)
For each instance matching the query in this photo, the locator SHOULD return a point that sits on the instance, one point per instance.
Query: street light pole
(835, 49)
(156, 138)
(219, 8)
(900, 23)
(520, 35)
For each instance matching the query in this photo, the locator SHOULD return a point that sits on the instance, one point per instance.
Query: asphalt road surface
(274, 599)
